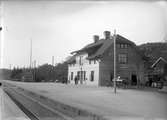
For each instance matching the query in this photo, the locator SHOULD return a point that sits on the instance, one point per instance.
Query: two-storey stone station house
(94, 64)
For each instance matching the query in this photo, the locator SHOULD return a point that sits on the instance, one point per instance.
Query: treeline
(5, 74)
(43, 73)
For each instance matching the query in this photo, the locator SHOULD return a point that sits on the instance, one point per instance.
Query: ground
(125, 104)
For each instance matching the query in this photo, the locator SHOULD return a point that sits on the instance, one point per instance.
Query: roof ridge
(160, 58)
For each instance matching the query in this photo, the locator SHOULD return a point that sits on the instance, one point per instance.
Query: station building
(94, 63)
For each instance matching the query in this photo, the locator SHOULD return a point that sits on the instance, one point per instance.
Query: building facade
(94, 64)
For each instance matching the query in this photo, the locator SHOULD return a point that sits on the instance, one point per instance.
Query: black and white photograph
(83, 60)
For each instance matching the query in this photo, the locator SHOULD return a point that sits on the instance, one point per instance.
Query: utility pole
(52, 69)
(31, 60)
(115, 73)
(1, 34)
(30, 54)
(10, 66)
(1, 59)
(52, 60)
(34, 72)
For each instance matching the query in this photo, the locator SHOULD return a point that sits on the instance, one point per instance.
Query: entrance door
(133, 79)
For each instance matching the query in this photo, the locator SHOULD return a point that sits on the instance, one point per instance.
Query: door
(133, 79)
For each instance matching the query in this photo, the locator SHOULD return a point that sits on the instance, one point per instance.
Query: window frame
(123, 59)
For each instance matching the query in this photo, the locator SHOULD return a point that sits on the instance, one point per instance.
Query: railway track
(33, 108)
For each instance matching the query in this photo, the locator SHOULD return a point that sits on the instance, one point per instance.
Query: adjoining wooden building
(157, 72)
(94, 64)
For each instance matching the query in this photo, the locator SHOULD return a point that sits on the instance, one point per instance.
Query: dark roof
(107, 44)
(158, 60)
(96, 50)
(89, 46)
(71, 60)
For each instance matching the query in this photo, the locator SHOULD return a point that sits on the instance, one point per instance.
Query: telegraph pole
(52, 60)
(52, 69)
(1, 49)
(31, 60)
(1, 35)
(34, 72)
(115, 72)
(30, 54)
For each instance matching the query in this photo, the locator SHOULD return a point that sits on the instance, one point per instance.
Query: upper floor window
(89, 61)
(94, 61)
(122, 45)
(81, 60)
(123, 58)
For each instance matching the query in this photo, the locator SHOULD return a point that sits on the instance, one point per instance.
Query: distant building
(94, 64)
(157, 71)
(27, 76)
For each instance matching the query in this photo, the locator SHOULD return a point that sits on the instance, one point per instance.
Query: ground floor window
(92, 76)
(84, 75)
(71, 75)
(78, 75)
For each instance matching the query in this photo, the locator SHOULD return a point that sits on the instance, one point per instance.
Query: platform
(126, 104)
(9, 110)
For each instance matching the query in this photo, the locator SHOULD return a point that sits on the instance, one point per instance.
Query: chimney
(107, 35)
(96, 38)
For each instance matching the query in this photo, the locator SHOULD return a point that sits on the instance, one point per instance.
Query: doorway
(133, 79)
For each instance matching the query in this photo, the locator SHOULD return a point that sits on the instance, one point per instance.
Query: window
(122, 58)
(94, 61)
(80, 60)
(78, 75)
(123, 46)
(89, 61)
(71, 75)
(126, 46)
(92, 76)
(84, 75)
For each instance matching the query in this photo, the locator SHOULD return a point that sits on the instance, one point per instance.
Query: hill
(154, 50)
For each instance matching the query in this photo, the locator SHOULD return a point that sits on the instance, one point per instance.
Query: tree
(5, 74)
(16, 73)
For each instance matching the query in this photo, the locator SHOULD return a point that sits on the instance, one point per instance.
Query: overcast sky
(58, 28)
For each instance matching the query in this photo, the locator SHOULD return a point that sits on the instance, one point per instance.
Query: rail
(27, 105)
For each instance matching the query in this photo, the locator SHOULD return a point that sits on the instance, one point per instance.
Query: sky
(59, 27)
